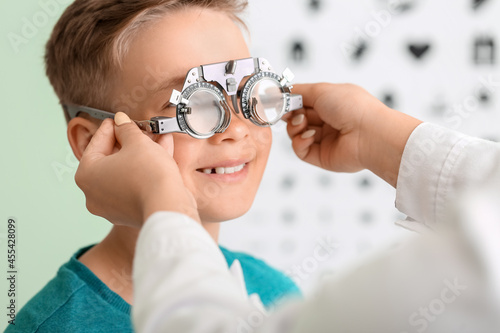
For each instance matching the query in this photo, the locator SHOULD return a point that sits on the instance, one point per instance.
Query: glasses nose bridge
(233, 102)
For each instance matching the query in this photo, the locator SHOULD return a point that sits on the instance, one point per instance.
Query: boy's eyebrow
(170, 83)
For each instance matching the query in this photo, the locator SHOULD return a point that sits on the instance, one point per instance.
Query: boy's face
(163, 54)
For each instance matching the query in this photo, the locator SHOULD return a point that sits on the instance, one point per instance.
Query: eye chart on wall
(435, 60)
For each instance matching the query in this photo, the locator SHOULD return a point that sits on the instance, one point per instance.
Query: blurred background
(435, 60)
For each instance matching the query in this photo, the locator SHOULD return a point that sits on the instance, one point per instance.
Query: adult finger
(166, 141)
(302, 144)
(296, 124)
(289, 115)
(310, 92)
(102, 141)
(126, 131)
(313, 117)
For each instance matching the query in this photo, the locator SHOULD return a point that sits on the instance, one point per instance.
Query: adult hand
(343, 128)
(128, 185)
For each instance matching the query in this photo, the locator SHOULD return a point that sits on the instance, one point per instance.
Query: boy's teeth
(224, 171)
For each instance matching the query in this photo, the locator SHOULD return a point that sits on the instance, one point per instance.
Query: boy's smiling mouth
(223, 170)
(227, 171)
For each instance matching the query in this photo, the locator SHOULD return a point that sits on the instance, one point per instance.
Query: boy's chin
(217, 216)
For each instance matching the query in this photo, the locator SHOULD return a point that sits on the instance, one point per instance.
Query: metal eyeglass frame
(228, 76)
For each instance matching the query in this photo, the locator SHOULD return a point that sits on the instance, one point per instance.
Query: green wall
(37, 167)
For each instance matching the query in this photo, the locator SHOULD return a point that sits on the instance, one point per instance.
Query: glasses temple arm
(74, 110)
(157, 125)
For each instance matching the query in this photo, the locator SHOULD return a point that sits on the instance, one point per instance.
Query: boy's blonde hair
(89, 41)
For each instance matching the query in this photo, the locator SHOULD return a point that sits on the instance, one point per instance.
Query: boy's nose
(236, 131)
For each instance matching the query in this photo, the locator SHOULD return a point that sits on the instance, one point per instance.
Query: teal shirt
(75, 300)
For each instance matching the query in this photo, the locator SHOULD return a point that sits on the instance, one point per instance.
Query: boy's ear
(80, 132)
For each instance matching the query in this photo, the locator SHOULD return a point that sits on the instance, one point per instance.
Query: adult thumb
(125, 129)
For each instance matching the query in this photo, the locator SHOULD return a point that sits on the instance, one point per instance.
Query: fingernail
(308, 134)
(298, 119)
(121, 118)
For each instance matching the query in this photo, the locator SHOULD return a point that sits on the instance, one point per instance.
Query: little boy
(128, 56)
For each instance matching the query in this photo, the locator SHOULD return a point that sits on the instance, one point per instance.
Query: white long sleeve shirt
(182, 283)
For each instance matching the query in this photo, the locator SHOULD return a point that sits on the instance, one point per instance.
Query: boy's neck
(111, 260)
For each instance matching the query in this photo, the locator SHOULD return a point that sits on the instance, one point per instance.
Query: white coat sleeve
(436, 166)
(182, 284)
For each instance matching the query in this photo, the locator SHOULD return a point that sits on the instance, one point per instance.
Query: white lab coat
(444, 280)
